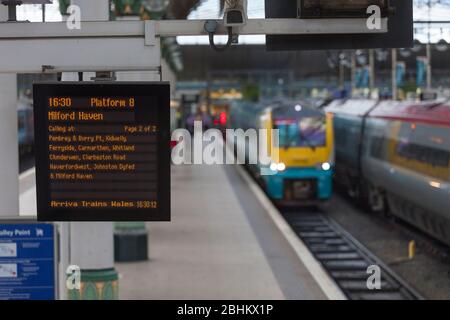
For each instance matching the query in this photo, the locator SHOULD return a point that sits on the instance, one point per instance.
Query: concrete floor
(229, 249)
(213, 250)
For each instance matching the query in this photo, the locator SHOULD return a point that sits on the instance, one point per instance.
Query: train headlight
(281, 166)
(278, 167)
(326, 166)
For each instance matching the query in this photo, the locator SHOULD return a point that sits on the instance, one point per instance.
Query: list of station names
(99, 155)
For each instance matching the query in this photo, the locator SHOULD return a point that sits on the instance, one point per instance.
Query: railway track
(423, 240)
(347, 260)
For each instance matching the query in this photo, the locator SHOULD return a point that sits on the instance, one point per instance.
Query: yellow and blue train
(303, 171)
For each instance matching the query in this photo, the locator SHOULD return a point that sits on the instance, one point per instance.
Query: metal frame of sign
(159, 90)
(56, 258)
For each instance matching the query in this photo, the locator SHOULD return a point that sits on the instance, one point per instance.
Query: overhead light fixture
(339, 8)
(442, 45)
(417, 46)
(361, 57)
(381, 55)
(331, 63)
(344, 60)
(405, 52)
(332, 60)
(156, 5)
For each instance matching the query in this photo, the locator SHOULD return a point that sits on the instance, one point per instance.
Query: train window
(308, 132)
(422, 153)
(376, 147)
(340, 135)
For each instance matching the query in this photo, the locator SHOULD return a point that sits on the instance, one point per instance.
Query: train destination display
(102, 151)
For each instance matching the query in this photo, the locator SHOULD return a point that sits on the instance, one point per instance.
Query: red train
(395, 156)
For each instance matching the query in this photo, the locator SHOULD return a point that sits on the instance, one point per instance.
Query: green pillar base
(124, 226)
(130, 242)
(97, 285)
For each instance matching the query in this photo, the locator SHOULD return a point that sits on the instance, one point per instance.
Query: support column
(394, 74)
(341, 76)
(91, 248)
(372, 72)
(131, 238)
(429, 70)
(9, 142)
(353, 73)
(91, 244)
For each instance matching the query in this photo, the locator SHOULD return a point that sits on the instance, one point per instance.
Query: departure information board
(102, 151)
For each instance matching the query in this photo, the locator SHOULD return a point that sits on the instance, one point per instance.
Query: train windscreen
(304, 132)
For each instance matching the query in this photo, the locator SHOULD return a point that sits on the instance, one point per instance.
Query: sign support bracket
(111, 43)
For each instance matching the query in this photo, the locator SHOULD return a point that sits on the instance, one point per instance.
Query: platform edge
(24, 175)
(327, 285)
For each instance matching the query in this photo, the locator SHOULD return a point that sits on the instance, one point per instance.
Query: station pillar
(91, 244)
(131, 238)
(9, 145)
(91, 248)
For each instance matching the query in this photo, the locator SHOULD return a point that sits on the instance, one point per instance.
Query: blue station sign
(27, 262)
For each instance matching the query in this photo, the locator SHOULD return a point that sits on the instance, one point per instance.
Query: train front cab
(304, 172)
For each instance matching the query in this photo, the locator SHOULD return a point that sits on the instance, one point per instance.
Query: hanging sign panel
(102, 151)
(399, 13)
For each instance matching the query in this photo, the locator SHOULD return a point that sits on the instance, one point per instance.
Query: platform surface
(214, 248)
(221, 244)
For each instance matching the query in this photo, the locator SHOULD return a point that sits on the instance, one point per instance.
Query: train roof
(294, 109)
(355, 107)
(433, 112)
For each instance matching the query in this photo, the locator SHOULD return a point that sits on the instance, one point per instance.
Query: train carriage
(407, 160)
(403, 160)
(348, 129)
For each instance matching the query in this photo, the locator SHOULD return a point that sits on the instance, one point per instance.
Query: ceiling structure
(203, 64)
